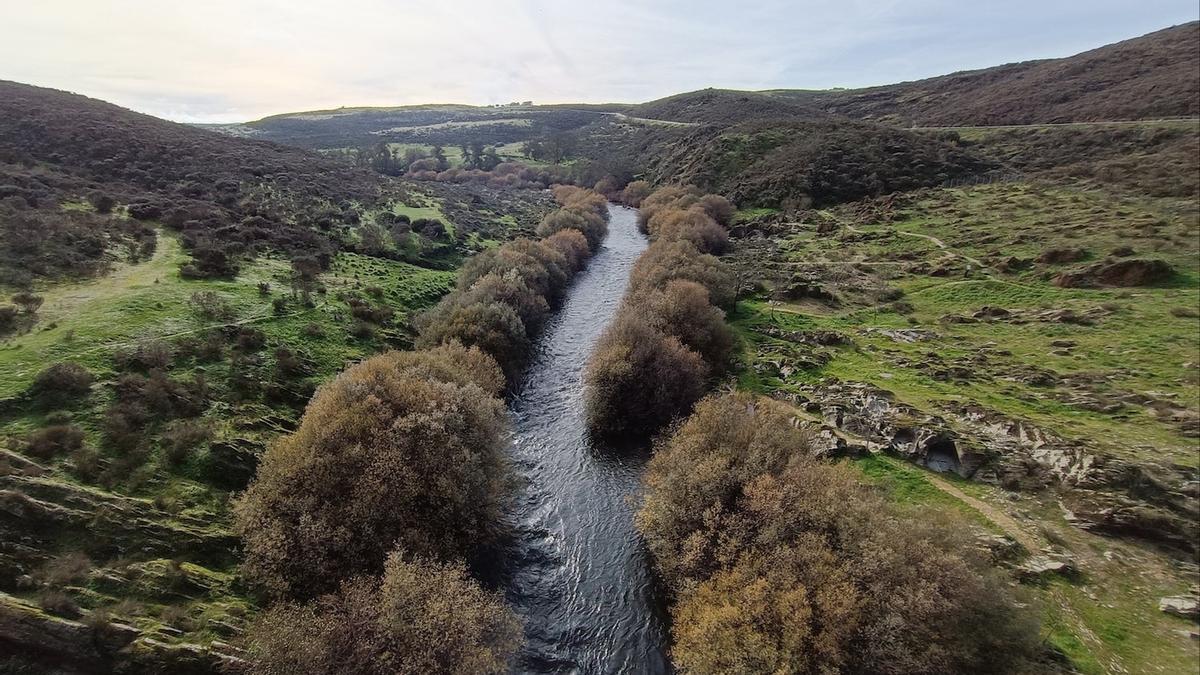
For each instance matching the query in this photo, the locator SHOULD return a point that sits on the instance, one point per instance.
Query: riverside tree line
(358, 525)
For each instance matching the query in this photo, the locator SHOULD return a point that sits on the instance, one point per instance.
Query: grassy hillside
(1150, 77)
(991, 331)
(178, 295)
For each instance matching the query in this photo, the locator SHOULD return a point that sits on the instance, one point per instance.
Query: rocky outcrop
(1124, 273)
(48, 643)
(1103, 494)
(1185, 606)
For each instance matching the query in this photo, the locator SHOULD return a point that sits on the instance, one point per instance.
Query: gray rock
(1042, 566)
(1186, 606)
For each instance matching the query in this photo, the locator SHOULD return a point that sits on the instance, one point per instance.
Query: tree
(403, 449)
(420, 617)
(439, 154)
(639, 379)
(784, 563)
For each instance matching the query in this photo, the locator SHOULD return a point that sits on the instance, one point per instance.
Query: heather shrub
(420, 617)
(399, 450)
(61, 384)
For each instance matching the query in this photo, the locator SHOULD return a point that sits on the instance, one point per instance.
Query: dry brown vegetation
(403, 449)
(782, 563)
(420, 617)
(503, 295)
(669, 336)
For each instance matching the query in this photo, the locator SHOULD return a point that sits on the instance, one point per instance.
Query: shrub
(718, 208)
(60, 385)
(693, 226)
(401, 449)
(8, 318)
(639, 379)
(182, 438)
(591, 225)
(787, 564)
(420, 617)
(682, 310)
(635, 192)
(493, 288)
(494, 328)
(209, 305)
(573, 246)
(28, 302)
(147, 355)
(664, 261)
(55, 440)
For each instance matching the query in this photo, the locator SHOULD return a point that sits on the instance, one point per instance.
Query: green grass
(87, 322)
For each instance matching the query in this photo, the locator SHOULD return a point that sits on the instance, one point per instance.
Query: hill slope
(1150, 77)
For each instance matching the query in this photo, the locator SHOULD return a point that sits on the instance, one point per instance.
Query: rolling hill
(1154, 76)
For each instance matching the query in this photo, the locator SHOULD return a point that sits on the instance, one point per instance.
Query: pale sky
(237, 60)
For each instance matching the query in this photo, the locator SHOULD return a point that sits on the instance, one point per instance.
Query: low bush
(420, 617)
(54, 441)
(60, 385)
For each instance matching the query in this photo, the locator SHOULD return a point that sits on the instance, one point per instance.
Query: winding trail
(575, 569)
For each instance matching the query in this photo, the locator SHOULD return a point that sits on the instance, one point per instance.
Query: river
(575, 569)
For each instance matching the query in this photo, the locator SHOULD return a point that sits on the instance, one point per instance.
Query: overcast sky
(236, 60)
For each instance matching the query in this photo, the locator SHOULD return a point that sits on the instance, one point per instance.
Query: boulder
(1186, 606)
(1044, 566)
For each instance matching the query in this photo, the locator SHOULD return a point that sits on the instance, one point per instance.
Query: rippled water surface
(575, 569)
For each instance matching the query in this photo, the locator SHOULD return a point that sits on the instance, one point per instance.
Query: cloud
(225, 60)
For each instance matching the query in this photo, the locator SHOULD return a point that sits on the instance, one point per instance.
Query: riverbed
(575, 570)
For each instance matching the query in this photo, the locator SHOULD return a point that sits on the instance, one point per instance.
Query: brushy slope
(1154, 76)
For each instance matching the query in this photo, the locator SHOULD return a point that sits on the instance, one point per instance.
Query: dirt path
(999, 518)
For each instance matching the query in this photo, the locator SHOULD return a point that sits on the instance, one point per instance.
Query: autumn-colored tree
(667, 260)
(403, 449)
(787, 564)
(682, 310)
(639, 379)
(420, 617)
(635, 192)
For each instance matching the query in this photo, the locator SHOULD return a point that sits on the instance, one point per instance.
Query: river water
(575, 569)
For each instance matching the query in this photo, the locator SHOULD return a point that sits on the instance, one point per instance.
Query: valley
(951, 323)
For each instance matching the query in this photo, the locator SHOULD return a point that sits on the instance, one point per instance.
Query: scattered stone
(1186, 606)
(1065, 344)
(988, 312)
(1042, 566)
